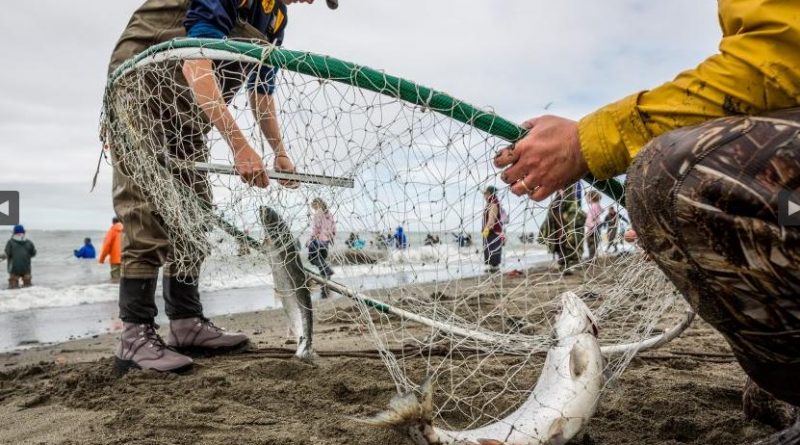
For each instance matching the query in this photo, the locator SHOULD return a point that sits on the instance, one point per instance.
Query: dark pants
(493, 250)
(592, 240)
(318, 256)
(14, 279)
(705, 203)
(613, 240)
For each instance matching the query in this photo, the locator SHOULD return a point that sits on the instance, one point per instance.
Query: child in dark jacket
(19, 251)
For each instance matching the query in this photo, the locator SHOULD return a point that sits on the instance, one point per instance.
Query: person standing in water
(400, 238)
(112, 249)
(323, 231)
(492, 231)
(19, 251)
(86, 251)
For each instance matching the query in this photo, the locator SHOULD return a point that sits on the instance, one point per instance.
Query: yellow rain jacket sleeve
(757, 70)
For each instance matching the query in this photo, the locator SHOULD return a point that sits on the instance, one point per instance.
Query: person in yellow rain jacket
(713, 165)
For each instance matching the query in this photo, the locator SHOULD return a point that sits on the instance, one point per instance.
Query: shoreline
(43, 326)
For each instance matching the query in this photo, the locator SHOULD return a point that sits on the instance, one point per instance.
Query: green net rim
(337, 70)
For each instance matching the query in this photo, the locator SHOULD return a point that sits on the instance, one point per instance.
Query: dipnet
(410, 207)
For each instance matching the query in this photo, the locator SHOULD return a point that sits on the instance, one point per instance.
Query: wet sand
(688, 392)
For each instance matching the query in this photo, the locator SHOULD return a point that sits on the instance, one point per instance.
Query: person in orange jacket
(713, 167)
(112, 248)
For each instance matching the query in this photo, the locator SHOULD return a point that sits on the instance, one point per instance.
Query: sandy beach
(688, 392)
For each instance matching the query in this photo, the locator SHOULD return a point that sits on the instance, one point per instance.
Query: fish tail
(406, 409)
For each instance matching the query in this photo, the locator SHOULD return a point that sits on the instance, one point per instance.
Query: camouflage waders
(562, 232)
(705, 201)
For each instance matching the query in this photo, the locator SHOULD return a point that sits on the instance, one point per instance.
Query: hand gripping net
(418, 159)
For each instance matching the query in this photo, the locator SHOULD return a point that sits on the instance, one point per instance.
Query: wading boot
(789, 436)
(141, 347)
(198, 335)
(762, 406)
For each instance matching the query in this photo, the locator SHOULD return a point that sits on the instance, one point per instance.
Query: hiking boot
(140, 347)
(199, 335)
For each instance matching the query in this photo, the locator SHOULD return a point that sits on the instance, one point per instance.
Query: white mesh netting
(411, 168)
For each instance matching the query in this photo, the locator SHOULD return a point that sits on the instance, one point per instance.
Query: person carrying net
(183, 105)
(714, 157)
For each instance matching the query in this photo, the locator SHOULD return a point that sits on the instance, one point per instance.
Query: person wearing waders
(323, 231)
(112, 249)
(713, 162)
(18, 252)
(195, 99)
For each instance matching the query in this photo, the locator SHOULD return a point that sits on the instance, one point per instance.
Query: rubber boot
(760, 405)
(789, 436)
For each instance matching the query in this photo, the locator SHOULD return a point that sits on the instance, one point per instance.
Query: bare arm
(203, 82)
(265, 112)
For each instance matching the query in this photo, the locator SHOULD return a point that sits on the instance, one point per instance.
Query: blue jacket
(400, 239)
(215, 19)
(87, 251)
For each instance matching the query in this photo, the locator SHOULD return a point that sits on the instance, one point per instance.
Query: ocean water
(73, 298)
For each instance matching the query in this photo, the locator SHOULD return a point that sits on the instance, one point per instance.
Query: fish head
(269, 217)
(275, 227)
(575, 318)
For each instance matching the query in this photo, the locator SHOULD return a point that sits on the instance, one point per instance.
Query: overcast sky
(515, 56)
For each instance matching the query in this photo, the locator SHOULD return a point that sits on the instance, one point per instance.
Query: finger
(260, 178)
(505, 157)
(524, 186)
(245, 175)
(514, 173)
(530, 123)
(543, 192)
(525, 165)
(289, 184)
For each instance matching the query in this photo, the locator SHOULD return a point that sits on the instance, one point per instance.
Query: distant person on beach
(612, 221)
(492, 230)
(562, 231)
(112, 249)
(355, 242)
(323, 232)
(431, 240)
(185, 108)
(592, 225)
(18, 252)
(400, 238)
(242, 248)
(86, 251)
(463, 239)
(711, 159)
